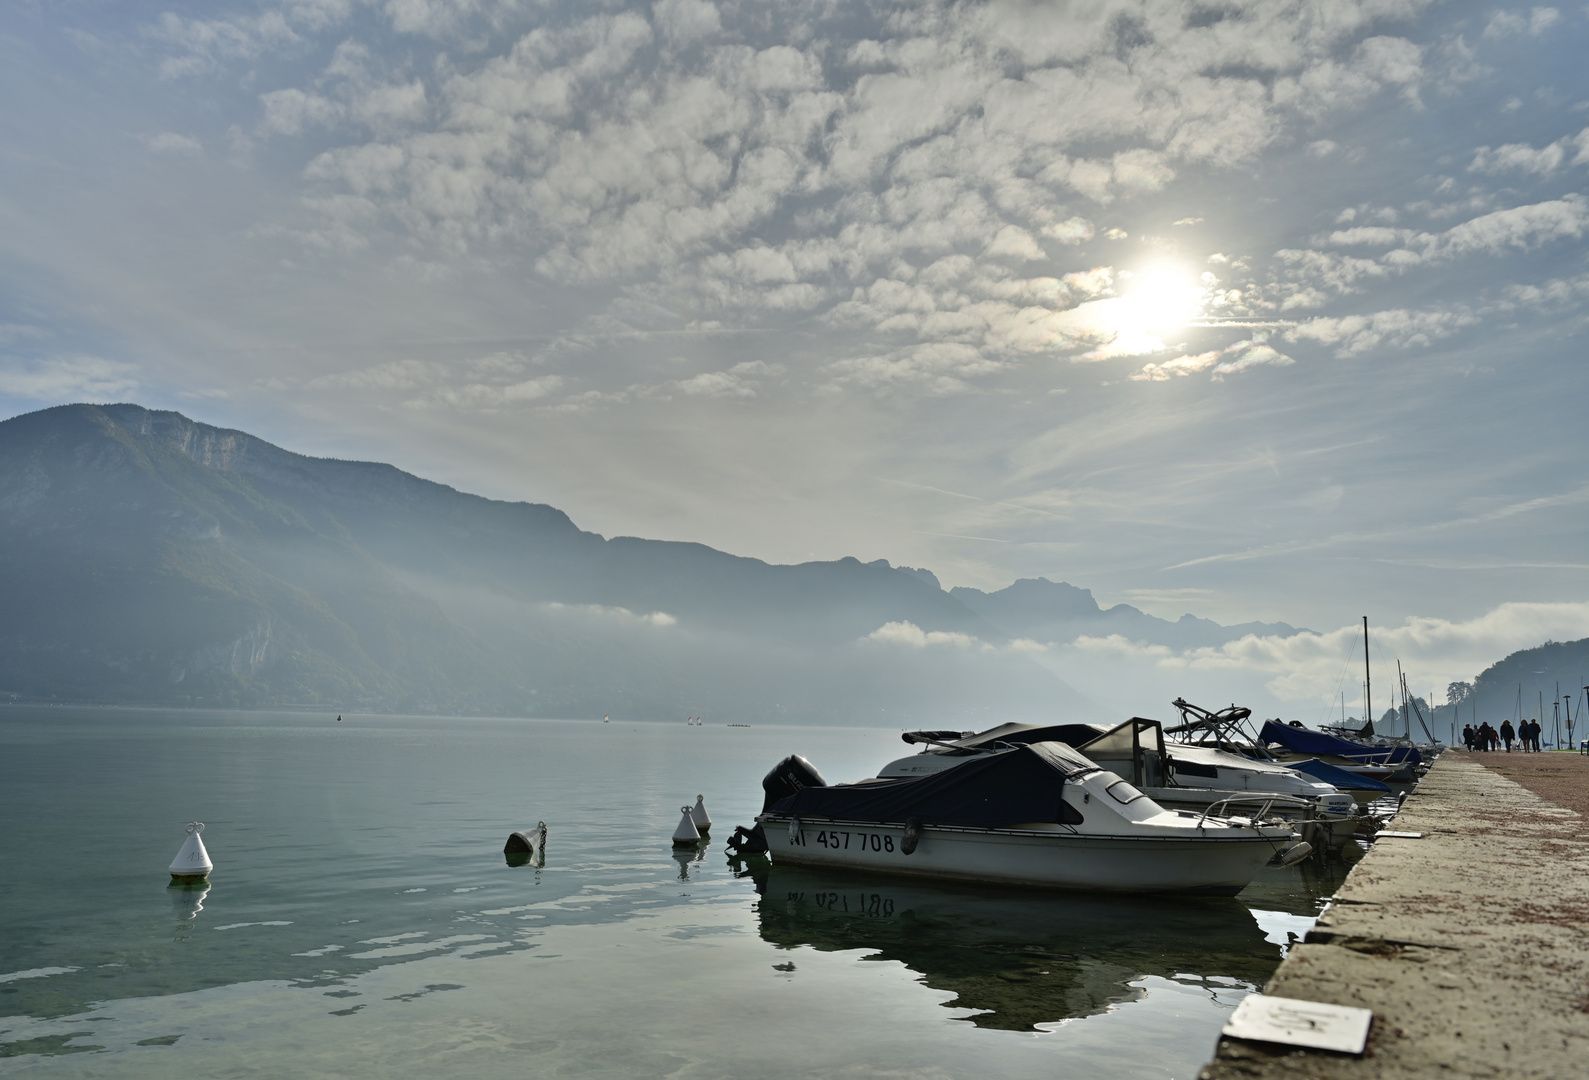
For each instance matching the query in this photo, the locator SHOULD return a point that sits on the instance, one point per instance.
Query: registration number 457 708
(843, 840)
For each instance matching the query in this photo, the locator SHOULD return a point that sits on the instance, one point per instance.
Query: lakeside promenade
(1470, 945)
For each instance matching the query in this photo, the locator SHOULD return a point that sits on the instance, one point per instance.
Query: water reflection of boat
(1302, 889)
(1021, 958)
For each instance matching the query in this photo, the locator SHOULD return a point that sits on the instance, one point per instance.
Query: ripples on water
(362, 920)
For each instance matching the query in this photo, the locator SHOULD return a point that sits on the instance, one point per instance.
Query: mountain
(150, 558)
(1526, 682)
(1043, 610)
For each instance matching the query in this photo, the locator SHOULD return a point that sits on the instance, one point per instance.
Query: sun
(1161, 299)
(1152, 306)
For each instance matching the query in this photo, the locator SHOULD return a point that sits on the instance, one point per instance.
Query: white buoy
(686, 835)
(192, 862)
(698, 814)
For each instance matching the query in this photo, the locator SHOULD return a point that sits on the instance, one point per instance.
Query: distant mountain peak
(1058, 611)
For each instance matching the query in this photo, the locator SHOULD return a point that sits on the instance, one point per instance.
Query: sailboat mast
(1406, 717)
(1368, 680)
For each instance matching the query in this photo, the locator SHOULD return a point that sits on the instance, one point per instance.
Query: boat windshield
(1134, 749)
(1123, 792)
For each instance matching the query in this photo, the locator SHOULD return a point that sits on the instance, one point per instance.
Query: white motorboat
(1177, 776)
(1038, 814)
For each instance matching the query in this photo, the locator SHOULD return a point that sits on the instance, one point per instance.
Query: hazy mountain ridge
(1044, 610)
(153, 558)
(1528, 680)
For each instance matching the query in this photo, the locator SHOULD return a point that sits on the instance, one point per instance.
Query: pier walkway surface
(1471, 945)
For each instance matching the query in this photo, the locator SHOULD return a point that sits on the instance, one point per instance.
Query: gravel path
(1561, 778)
(1470, 942)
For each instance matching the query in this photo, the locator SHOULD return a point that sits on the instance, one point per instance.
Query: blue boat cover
(989, 792)
(1341, 778)
(1305, 741)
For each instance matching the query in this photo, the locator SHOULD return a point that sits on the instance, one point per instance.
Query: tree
(1458, 692)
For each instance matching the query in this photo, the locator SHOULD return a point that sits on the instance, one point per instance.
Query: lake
(362, 920)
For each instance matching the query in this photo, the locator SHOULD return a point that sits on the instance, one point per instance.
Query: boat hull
(1325, 833)
(1035, 858)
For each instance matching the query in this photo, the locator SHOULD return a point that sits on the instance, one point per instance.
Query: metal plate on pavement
(1341, 1028)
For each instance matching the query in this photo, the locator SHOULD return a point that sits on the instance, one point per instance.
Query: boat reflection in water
(1022, 959)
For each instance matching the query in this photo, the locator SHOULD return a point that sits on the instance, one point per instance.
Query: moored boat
(1177, 776)
(1039, 815)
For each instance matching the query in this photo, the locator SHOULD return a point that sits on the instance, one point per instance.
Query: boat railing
(1269, 802)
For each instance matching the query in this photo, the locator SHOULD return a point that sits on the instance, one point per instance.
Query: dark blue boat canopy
(1011, 787)
(1317, 742)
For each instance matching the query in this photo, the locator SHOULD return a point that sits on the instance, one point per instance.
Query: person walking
(1467, 737)
(1533, 735)
(1508, 733)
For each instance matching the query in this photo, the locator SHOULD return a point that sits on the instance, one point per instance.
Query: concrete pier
(1471, 945)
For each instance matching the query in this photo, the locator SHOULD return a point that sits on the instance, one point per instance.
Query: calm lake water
(362, 920)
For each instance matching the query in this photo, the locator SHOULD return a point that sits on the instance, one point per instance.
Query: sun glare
(1163, 299)
(1152, 306)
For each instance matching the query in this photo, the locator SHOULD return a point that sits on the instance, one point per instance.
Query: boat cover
(1305, 741)
(1341, 778)
(1002, 789)
(1026, 734)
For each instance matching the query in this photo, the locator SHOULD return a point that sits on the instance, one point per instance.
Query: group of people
(1485, 737)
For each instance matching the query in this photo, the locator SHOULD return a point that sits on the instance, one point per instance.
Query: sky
(1263, 311)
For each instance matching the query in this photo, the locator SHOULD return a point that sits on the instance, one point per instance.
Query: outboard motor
(794, 773)
(751, 841)
(790, 775)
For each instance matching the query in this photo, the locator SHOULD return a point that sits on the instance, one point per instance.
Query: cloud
(1509, 23)
(1521, 157)
(684, 21)
(1307, 666)
(12, 332)
(171, 143)
(1014, 242)
(666, 145)
(1230, 360)
(483, 384)
(912, 636)
(392, 375)
(1307, 278)
(71, 378)
(739, 381)
(1520, 228)
(610, 614)
(1555, 292)
(941, 369)
(486, 397)
(1074, 230)
(1355, 334)
(203, 46)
